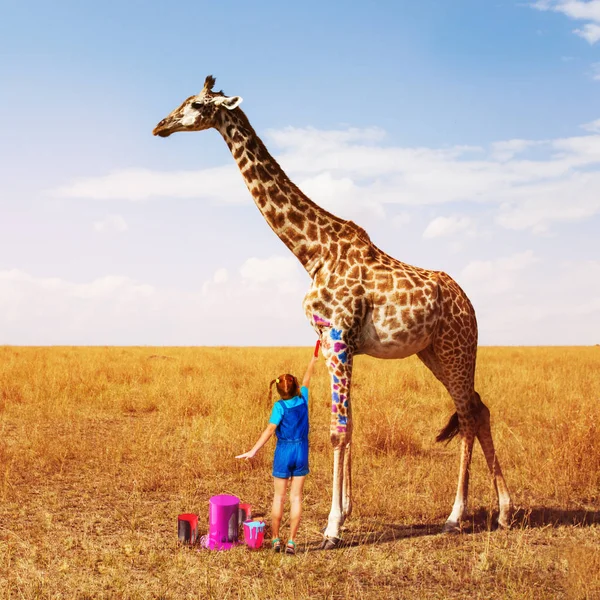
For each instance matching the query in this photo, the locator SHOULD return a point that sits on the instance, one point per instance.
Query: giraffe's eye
(197, 105)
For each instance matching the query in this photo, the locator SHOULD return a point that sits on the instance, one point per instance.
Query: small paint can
(187, 528)
(244, 513)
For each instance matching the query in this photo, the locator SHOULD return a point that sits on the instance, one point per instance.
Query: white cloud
(444, 226)
(588, 10)
(579, 10)
(595, 71)
(504, 151)
(495, 276)
(517, 262)
(214, 284)
(518, 299)
(279, 272)
(221, 183)
(111, 224)
(572, 198)
(590, 32)
(262, 302)
(52, 310)
(352, 174)
(320, 140)
(221, 276)
(343, 197)
(593, 126)
(401, 219)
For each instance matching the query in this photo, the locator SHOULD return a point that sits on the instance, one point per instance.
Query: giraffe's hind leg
(484, 435)
(459, 424)
(456, 372)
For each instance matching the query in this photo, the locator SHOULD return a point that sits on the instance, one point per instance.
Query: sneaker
(291, 547)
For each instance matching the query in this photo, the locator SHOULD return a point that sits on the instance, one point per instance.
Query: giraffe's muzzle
(161, 130)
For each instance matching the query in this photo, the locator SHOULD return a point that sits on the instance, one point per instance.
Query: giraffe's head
(197, 112)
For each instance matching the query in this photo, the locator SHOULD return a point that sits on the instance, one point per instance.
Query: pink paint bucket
(223, 522)
(254, 534)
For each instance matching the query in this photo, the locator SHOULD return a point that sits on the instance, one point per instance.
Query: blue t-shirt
(277, 412)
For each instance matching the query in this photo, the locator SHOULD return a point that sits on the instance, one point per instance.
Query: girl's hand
(246, 455)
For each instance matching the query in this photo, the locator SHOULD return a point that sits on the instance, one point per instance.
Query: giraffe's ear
(229, 102)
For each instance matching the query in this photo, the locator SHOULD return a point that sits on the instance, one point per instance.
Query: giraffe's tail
(451, 429)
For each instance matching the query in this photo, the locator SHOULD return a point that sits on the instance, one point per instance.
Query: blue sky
(464, 136)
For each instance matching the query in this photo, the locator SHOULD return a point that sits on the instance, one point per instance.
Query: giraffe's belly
(381, 340)
(379, 349)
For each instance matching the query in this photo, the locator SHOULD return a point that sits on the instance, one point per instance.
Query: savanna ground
(101, 448)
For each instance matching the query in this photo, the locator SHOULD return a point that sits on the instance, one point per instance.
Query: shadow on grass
(378, 533)
(533, 517)
(542, 516)
(480, 521)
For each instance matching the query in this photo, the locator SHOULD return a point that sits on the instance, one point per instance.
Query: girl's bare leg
(279, 487)
(296, 487)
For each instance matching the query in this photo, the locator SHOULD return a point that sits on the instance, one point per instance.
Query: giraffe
(361, 301)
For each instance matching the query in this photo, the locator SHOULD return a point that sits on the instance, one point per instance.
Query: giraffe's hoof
(505, 518)
(329, 543)
(342, 529)
(451, 527)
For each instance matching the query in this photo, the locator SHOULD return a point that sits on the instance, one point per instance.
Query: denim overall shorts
(291, 452)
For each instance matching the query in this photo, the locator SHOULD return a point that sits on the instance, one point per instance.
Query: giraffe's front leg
(460, 503)
(347, 483)
(339, 362)
(331, 535)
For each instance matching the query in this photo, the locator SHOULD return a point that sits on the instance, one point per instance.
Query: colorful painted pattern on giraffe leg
(339, 399)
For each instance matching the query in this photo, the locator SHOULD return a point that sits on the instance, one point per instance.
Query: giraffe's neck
(303, 226)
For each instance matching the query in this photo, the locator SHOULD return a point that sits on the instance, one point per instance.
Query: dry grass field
(101, 448)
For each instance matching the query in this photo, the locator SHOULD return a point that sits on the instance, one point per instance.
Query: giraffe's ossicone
(361, 301)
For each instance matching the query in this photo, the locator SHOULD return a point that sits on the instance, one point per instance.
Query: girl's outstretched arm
(309, 371)
(262, 440)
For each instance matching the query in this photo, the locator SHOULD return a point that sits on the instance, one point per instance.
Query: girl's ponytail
(271, 390)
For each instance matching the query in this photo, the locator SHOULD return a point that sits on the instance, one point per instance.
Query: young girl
(289, 421)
